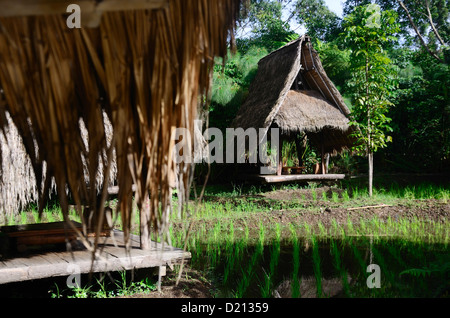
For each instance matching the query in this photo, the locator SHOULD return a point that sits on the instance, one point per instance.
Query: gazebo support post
(300, 145)
(322, 161)
(280, 157)
(144, 218)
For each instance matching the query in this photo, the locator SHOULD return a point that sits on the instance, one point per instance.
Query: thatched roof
(144, 68)
(314, 106)
(308, 111)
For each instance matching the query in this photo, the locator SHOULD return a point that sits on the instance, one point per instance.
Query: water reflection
(330, 268)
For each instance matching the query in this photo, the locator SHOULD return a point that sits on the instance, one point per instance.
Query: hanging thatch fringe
(145, 69)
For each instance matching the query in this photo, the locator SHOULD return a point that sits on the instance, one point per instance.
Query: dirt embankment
(355, 210)
(319, 205)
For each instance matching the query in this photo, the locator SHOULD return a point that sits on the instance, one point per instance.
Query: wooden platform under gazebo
(37, 251)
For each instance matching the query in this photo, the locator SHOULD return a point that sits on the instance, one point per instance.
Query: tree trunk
(370, 173)
(369, 130)
(422, 40)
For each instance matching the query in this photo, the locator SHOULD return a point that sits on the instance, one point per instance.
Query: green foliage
(422, 114)
(408, 87)
(366, 32)
(267, 29)
(420, 16)
(335, 61)
(321, 23)
(230, 85)
(441, 266)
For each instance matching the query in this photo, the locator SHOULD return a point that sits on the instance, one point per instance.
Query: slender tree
(367, 31)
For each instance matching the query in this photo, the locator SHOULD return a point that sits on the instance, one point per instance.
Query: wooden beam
(297, 177)
(369, 207)
(322, 158)
(16, 8)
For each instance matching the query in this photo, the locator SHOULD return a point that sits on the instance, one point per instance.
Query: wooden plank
(48, 7)
(14, 263)
(299, 177)
(52, 258)
(369, 207)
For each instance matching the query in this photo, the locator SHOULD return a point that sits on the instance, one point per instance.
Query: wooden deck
(293, 177)
(113, 257)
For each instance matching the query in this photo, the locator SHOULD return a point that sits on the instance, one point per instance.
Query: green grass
(120, 287)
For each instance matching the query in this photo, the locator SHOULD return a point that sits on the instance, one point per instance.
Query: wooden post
(322, 158)
(299, 144)
(144, 217)
(280, 157)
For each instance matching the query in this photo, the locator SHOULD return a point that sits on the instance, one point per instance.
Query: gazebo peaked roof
(292, 91)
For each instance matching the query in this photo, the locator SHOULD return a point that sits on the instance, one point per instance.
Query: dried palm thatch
(292, 91)
(144, 68)
(17, 182)
(307, 111)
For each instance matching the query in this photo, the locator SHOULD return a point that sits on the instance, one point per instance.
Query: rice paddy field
(290, 241)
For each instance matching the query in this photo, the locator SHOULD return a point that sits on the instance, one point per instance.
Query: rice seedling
(339, 266)
(322, 230)
(314, 194)
(357, 255)
(409, 193)
(316, 265)
(307, 228)
(335, 197)
(355, 193)
(261, 234)
(443, 195)
(345, 196)
(274, 258)
(233, 254)
(245, 238)
(350, 228)
(247, 274)
(268, 277)
(362, 227)
(295, 287)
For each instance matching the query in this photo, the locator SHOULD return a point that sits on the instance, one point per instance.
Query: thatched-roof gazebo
(291, 91)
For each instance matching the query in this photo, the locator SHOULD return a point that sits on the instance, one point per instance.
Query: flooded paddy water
(352, 267)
